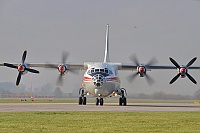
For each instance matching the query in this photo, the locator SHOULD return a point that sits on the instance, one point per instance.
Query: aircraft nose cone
(98, 80)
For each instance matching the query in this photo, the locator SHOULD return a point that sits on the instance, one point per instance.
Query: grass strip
(104, 122)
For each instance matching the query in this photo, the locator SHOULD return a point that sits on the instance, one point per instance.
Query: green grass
(103, 122)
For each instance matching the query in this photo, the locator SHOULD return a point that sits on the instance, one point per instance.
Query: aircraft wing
(74, 66)
(121, 66)
(170, 67)
(124, 66)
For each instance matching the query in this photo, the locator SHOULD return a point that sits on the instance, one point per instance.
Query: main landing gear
(99, 101)
(122, 99)
(82, 98)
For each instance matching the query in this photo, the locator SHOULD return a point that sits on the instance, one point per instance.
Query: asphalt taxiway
(131, 107)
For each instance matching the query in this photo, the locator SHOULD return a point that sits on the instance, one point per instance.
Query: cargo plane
(101, 78)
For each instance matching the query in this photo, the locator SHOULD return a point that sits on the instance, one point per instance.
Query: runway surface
(132, 107)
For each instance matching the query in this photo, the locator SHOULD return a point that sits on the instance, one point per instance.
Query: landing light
(114, 93)
(83, 85)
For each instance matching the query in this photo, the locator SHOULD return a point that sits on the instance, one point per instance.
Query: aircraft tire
(124, 101)
(80, 102)
(84, 100)
(120, 101)
(97, 101)
(101, 101)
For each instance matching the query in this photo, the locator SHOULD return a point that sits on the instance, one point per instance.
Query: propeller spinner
(22, 68)
(141, 69)
(183, 70)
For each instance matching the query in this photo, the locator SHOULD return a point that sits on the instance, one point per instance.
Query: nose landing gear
(99, 101)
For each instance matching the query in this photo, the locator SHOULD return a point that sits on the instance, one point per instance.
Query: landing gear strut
(122, 99)
(99, 101)
(82, 98)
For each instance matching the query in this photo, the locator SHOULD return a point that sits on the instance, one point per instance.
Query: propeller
(62, 68)
(141, 69)
(22, 68)
(183, 70)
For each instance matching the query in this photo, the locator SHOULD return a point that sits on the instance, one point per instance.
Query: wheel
(124, 101)
(101, 101)
(97, 101)
(80, 101)
(84, 101)
(120, 101)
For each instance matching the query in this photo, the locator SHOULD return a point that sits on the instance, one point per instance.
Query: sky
(156, 28)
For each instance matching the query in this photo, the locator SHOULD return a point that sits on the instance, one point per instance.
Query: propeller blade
(32, 70)
(60, 80)
(64, 57)
(191, 62)
(174, 62)
(135, 60)
(18, 78)
(73, 71)
(151, 62)
(10, 65)
(132, 77)
(191, 78)
(24, 56)
(175, 78)
(149, 79)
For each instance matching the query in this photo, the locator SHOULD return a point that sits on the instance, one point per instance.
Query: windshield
(104, 71)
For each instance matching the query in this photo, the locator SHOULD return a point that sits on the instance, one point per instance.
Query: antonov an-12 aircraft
(101, 78)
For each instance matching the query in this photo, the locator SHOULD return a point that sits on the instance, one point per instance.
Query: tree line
(8, 89)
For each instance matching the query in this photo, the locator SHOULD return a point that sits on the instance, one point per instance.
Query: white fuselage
(101, 79)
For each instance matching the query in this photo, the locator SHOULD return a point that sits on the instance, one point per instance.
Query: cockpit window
(104, 71)
(92, 70)
(101, 70)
